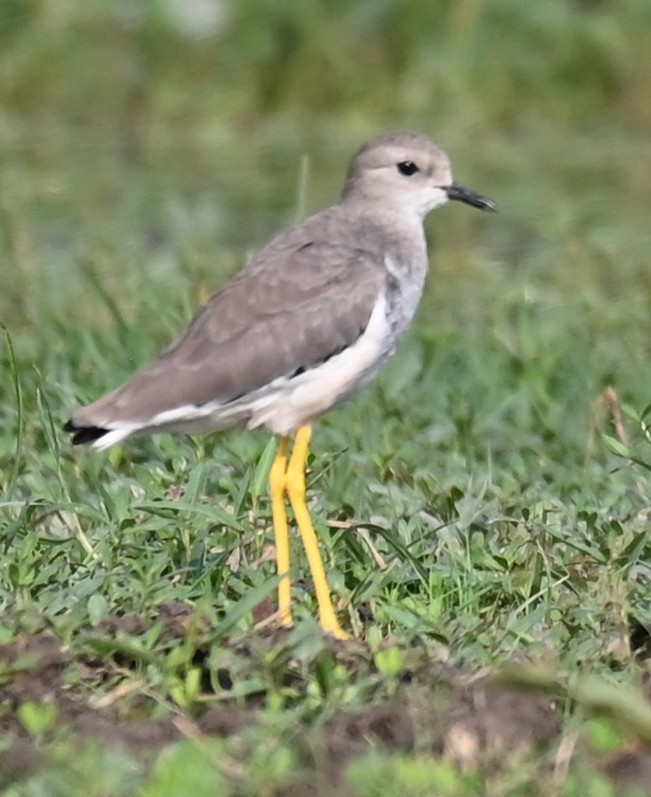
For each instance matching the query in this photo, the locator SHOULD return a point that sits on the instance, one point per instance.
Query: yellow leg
(278, 486)
(295, 486)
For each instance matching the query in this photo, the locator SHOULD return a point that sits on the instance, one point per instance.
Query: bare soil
(464, 717)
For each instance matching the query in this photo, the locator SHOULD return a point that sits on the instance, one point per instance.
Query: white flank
(115, 435)
(283, 405)
(290, 403)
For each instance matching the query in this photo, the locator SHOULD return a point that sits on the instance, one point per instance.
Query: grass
(498, 467)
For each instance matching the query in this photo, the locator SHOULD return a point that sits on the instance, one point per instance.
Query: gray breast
(403, 294)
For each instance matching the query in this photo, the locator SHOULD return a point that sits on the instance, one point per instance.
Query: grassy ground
(483, 509)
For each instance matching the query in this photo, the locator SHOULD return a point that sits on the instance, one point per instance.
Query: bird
(303, 327)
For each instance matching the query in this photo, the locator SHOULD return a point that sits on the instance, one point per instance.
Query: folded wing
(293, 308)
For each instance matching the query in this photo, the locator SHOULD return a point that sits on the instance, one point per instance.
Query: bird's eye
(407, 168)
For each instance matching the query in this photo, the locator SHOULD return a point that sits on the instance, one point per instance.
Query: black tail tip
(84, 434)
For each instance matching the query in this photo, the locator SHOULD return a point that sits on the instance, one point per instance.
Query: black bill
(460, 194)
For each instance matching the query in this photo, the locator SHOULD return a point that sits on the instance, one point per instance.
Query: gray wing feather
(294, 306)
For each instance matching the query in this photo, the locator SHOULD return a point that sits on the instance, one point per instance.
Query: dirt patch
(176, 620)
(461, 717)
(630, 769)
(474, 725)
(33, 672)
(486, 719)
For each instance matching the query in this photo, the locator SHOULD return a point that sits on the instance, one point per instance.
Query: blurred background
(149, 148)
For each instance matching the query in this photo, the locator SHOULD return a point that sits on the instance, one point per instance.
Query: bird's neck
(389, 229)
